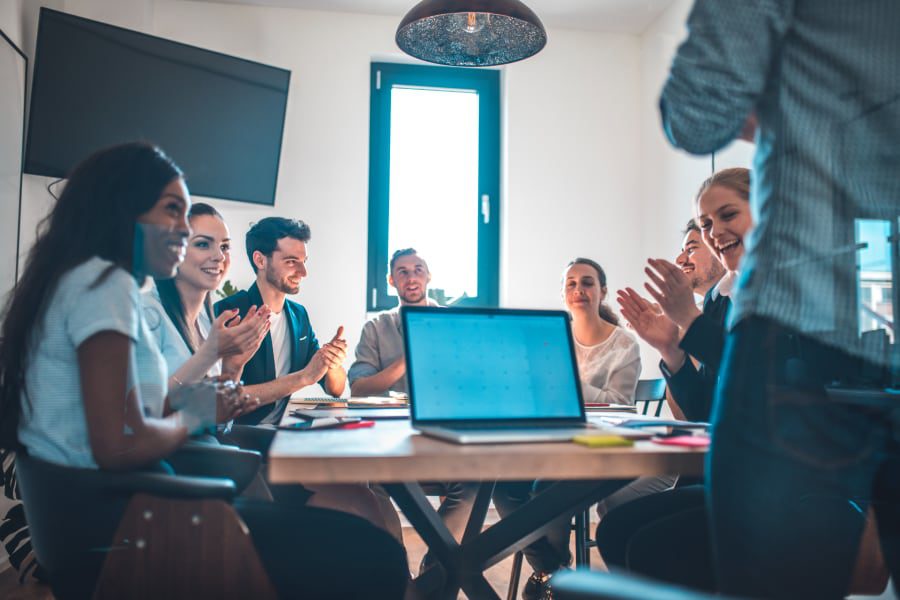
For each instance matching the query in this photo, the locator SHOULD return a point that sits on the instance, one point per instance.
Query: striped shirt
(823, 77)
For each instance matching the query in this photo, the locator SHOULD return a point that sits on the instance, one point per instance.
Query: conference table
(394, 455)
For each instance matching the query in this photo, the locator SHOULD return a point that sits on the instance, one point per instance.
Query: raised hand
(672, 291)
(233, 336)
(330, 356)
(654, 327)
(248, 335)
(337, 349)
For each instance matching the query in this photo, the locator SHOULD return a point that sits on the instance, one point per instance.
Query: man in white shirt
(289, 357)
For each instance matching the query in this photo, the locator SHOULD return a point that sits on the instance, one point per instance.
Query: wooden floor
(498, 576)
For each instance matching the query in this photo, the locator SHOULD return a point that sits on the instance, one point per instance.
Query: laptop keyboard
(513, 426)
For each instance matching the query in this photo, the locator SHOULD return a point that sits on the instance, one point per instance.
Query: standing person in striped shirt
(795, 460)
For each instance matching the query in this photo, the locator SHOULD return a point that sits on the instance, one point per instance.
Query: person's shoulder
(296, 307)
(238, 300)
(154, 312)
(150, 296)
(387, 317)
(100, 277)
(297, 311)
(625, 339)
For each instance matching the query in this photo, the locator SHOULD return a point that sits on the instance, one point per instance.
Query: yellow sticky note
(602, 441)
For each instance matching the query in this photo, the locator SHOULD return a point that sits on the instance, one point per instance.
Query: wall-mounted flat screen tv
(221, 118)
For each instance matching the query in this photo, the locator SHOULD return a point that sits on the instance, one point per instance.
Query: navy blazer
(261, 367)
(692, 388)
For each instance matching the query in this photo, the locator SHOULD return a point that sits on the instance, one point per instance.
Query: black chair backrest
(649, 391)
(73, 513)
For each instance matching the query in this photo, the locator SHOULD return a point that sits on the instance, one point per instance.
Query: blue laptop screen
(469, 365)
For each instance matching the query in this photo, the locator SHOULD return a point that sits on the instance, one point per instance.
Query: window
(875, 277)
(434, 180)
(878, 296)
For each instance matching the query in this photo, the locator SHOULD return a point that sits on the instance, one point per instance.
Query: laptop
(486, 376)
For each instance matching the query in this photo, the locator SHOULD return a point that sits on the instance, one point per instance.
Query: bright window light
(434, 204)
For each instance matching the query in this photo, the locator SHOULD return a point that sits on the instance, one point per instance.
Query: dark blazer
(261, 368)
(692, 388)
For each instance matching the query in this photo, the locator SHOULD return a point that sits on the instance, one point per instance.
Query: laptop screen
(490, 364)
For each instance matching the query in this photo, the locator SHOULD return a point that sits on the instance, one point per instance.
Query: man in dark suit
(692, 382)
(289, 357)
(690, 359)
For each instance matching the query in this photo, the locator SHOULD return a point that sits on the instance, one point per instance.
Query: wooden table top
(392, 451)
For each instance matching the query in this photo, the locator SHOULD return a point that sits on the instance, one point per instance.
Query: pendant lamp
(471, 33)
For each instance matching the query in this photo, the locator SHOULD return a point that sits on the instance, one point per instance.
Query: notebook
(479, 375)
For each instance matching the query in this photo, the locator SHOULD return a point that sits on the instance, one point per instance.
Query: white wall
(571, 164)
(669, 178)
(586, 170)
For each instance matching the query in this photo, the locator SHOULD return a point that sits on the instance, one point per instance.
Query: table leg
(528, 523)
(479, 511)
(412, 500)
(465, 564)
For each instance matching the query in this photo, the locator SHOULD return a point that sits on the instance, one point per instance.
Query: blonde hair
(736, 179)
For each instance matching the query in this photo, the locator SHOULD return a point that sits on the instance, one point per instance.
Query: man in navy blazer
(289, 357)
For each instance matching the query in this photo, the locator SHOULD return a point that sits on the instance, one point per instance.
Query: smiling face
(582, 291)
(164, 231)
(698, 263)
(410, 277)
(724, 220)
(208, 253)
(286, 267)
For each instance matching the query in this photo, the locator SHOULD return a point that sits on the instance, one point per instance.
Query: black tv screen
(219, 117)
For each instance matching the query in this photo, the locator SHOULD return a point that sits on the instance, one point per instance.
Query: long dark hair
(606, 312)
(94, 216)
(171, 299)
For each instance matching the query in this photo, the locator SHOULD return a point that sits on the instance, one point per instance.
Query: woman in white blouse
(609, 359)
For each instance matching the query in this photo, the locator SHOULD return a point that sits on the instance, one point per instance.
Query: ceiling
(625, 16)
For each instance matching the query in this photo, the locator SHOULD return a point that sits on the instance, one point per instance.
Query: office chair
(178, 537)
(650, 391)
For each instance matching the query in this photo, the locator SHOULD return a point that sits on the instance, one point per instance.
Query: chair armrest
(170, 486)
(593, 585)
(213, 460)
(249, 437)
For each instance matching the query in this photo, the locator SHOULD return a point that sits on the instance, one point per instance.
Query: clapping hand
(329, 356)
(233, 336)
(248, 334)
(336, 349)
(654, 327)
(672, 290)
(211, 401)
(232, 401)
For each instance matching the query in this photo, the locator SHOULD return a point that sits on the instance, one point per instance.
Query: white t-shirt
(609, 370)
(281, 343)
(53, 425)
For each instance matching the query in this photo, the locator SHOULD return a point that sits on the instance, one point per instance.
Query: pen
(356, 425)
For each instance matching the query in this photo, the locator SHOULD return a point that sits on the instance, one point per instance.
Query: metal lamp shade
(471, 33)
